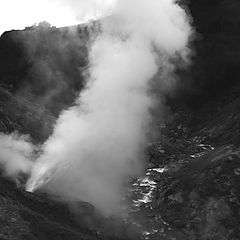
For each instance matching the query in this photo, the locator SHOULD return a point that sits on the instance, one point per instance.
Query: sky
(18, 14)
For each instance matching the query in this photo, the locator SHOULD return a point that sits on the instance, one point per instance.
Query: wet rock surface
(191, 190)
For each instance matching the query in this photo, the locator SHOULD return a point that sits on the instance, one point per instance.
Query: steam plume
(98, 144)
(16, 153)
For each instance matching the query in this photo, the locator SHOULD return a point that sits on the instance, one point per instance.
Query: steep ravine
(190, 190)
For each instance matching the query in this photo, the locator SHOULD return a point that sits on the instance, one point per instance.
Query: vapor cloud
(16, 154)
(98, 144)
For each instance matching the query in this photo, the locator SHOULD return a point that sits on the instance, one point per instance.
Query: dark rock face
(217, 52)
(35, 216)
(42, 71)
(44, 64)
(199, 193)
(20, 115)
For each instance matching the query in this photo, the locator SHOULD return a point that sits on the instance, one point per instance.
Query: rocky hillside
(191, 187)
(44, 64)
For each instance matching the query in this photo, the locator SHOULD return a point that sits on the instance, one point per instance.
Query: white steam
(15, 154)
(98, 144)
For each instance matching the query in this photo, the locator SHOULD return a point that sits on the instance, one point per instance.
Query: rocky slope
(191, 187)
(44, 64)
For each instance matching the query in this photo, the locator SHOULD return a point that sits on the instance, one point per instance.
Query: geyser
(98, 144)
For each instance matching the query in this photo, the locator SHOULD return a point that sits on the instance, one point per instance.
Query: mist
(16, 154)
(98, 144)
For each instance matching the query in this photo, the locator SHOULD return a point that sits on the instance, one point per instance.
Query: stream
(144, 210)
(143, 205)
